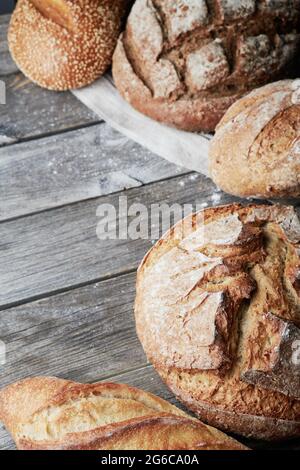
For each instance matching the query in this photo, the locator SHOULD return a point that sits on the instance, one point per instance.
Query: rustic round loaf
(184, 62)
(256, 149)
(64, 44)
(45, 413)
(218, 314)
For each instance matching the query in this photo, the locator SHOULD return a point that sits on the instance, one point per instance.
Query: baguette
(46, 413)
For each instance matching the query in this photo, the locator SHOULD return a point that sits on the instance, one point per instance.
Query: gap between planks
(63, 290)
(58, 249)
(74, 166)
(86, 336)
(32, 112)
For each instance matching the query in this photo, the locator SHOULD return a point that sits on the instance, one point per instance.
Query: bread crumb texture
(49, 413)
(65, 44)
(218, 314)
(256, 148)
(208, 53)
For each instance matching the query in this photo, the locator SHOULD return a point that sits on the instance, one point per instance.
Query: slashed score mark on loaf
(218, 309)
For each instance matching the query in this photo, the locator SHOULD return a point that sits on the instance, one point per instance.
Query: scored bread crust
(184, 62)
(191, 115)
(67, 44)
(48, 413)
(256, 148)
(218, 314)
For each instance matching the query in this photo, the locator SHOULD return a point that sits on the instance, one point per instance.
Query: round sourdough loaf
(218, 314)
(64, 44)
(45, 413)
(184, 62)
(256, 148)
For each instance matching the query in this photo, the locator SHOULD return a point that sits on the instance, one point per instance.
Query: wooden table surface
(66, 298)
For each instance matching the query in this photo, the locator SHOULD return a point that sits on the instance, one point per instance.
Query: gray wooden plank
(85, 334)
(31, 111)
(181, 148)
(74, 166)
(7, 65)
(6, 442)
(59, 249)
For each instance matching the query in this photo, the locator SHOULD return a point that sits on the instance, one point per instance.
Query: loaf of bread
(256, 149)
(218, 314)
(64, 44)
(46, 413)
(184, 62)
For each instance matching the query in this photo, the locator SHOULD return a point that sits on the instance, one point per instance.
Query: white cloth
(182, 148)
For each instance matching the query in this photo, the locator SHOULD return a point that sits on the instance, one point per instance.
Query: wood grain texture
(7, 65)
(182, 148)
(31, 111)
(85, 334)
(58, 249)
(74, 166)
(88, 335)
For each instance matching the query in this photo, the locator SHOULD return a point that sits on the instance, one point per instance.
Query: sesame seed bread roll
(65, 44)
(256, 149)
(46, 413)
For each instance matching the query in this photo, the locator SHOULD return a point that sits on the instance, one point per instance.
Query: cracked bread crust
(45, 413)
(256, 148)
(185, 62)
(218, 314)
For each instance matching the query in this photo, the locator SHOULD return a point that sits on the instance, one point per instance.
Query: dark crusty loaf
(256, 148)
(48, 413)
(184, 62)
(64, 44)
(218, 314)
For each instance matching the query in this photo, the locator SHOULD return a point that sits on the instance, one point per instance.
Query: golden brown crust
(185, 62)
(256, 148)
(65, 44)
(47, 413)
(218, 314)
(253, 426)
(191, 115)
